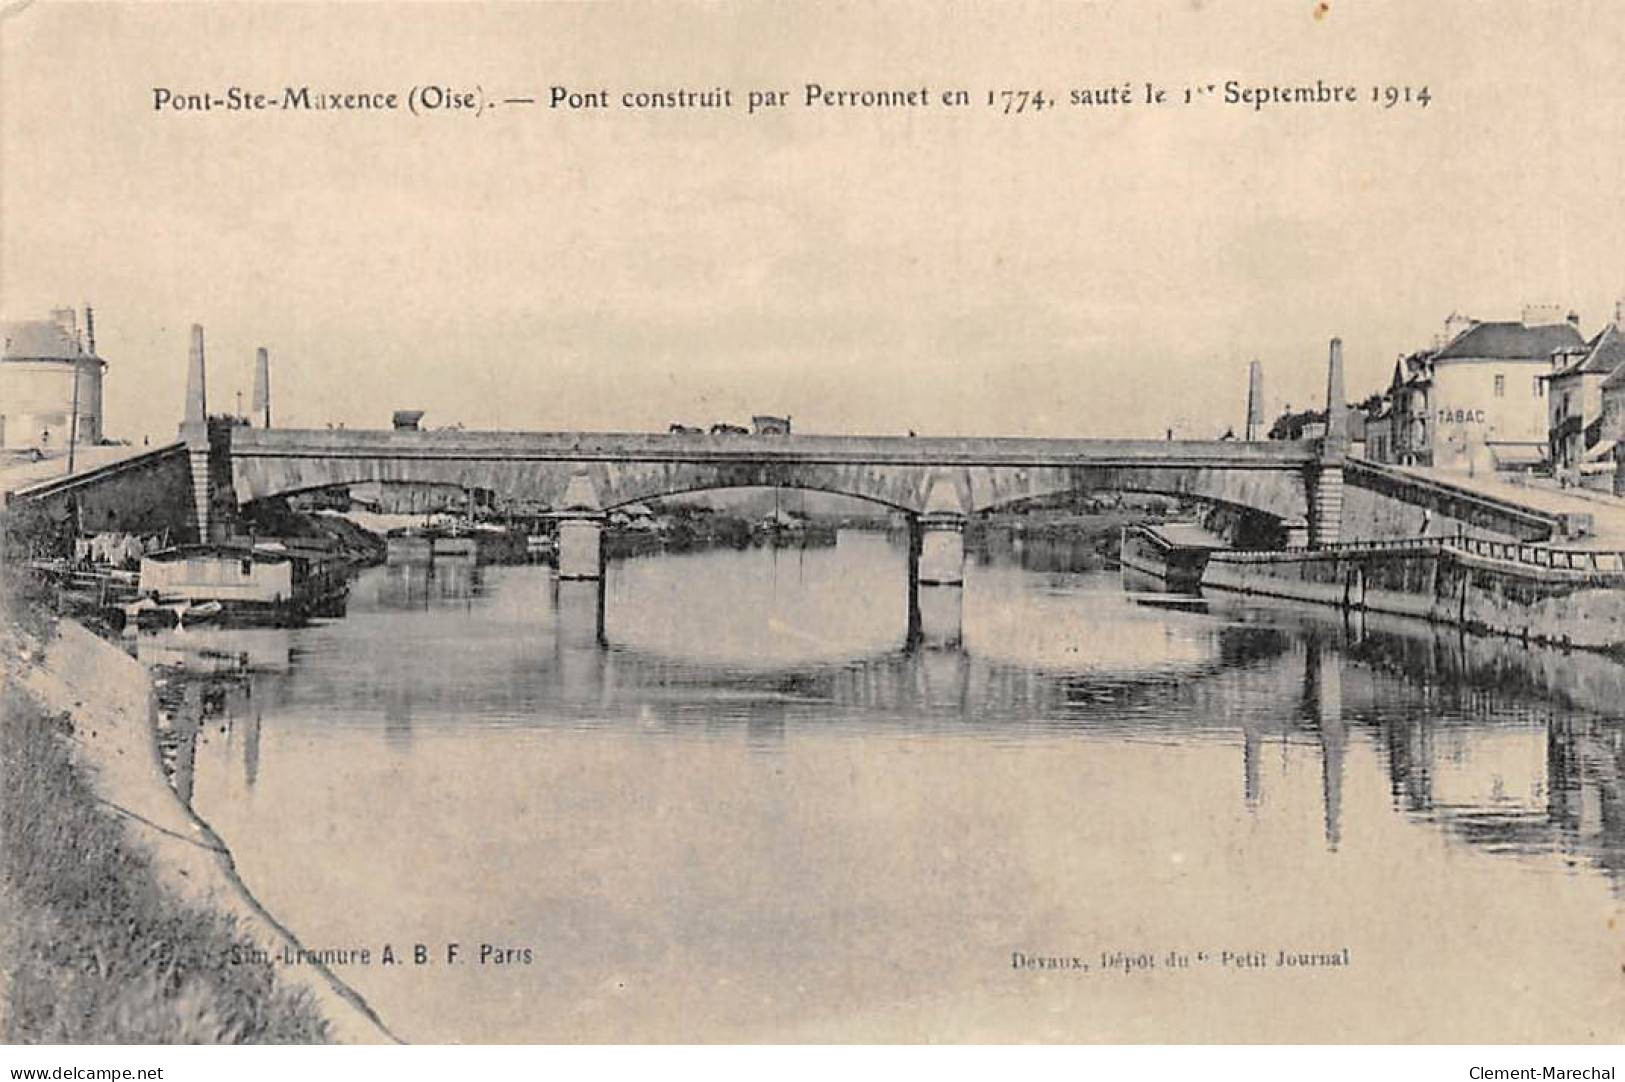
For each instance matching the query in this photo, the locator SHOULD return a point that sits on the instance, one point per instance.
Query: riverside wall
(1506, 594)
(1385, 503)
(108, 694)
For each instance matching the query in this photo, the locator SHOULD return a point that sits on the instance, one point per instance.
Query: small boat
(200, 613)
(455, 546)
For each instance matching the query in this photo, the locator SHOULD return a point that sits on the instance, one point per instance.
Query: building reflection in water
(213, 682)
(419, 580)
(1507, 749)
(1323, 710)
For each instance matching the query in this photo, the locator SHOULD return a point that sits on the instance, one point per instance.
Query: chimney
(1455, 325)
(197, 407)
(90, 331)
(262, 386)
(67, 323)
(1542, 315)
(1255, 400)
(1574, 319)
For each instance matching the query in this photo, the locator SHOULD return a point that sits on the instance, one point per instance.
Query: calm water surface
(735, 807)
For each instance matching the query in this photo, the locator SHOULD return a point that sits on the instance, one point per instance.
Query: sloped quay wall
(110, 698)
(1549, 605)
(1382, 504)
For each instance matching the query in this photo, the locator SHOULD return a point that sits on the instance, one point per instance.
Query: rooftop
(1510, 341)
(1607, 354)
(39, 339)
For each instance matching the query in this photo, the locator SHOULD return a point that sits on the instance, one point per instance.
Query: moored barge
(1173, 554)
(259, 584)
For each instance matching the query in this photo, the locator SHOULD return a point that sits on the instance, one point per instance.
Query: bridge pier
(581, 547)
(581, 531)
(1326, 482)
(195, 433)
(937, 568)
(942, 550)
(937, 617)
(579, 605)
(198, 457)
(1326, 515)
(941, 535)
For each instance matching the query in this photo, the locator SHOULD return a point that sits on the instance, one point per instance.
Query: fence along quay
(1537, 593)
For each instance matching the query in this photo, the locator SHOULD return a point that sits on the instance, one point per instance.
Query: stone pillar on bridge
(937, 543)
(1326, 489)
(581, 531)
(195, 433)
(197, 398)
(262, 387)
(1255, 402)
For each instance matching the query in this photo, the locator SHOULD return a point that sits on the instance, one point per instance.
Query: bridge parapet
(880, 450)
(897, 472)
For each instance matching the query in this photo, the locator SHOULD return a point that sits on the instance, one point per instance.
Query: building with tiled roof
(1410, 441)
(1503, 341)
(1608, 349)
(1488, 395)
(1581, 429)
(1602, 441)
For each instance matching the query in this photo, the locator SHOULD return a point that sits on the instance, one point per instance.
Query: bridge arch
(915, 476)
(614, 484)
(1280, 493)
(887, 493)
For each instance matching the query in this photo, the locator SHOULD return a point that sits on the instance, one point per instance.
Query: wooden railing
(1542, 556)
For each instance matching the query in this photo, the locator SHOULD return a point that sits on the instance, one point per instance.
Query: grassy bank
(92, 949)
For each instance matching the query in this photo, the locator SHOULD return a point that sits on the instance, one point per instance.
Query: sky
(1081, 271)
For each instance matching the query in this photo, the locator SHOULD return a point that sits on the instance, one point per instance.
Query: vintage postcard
(813, 523)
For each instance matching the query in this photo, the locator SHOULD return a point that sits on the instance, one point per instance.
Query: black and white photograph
(1078, 524)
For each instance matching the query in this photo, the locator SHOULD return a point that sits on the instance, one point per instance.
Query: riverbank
(1559, 597)
(344, 540)
(125, 921)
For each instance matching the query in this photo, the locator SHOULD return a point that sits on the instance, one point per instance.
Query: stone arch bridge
(937, 481)
(602, 471)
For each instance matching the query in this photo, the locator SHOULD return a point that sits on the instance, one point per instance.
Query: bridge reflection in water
(1507, 749)
(737, 793)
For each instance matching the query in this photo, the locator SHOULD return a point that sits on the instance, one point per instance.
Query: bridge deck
(870, 450)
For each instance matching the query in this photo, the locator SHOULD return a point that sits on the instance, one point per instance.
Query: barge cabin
(256, 584)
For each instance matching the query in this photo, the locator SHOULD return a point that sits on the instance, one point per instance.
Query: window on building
(1540, 387)
(1500, 385)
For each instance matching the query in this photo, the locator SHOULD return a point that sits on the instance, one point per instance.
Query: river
(733, 806)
